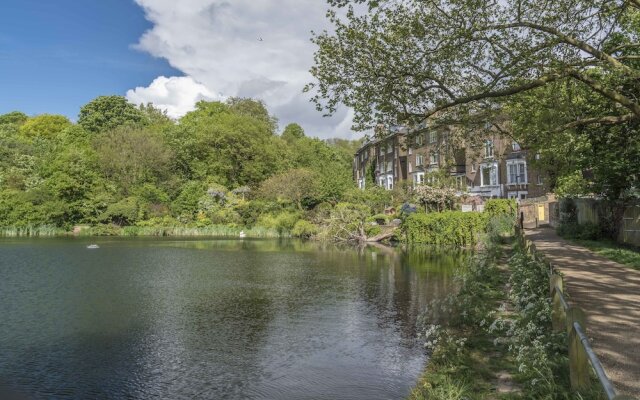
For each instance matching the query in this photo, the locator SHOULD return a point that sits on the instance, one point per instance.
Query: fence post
(578, 360)
(555, 280)
(558, 313)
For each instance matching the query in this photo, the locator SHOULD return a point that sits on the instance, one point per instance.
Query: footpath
(609, 293)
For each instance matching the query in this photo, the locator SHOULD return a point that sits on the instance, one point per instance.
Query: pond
(213, 319)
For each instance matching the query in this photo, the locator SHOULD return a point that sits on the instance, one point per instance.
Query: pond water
(213, 319)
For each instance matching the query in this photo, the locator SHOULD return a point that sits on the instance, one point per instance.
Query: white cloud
(215, 43)
(177, 95)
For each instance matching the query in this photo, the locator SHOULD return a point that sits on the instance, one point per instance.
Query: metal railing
(572, 319)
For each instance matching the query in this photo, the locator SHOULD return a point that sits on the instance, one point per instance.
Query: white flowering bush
(539, 352)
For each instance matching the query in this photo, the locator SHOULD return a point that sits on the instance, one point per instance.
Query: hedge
(448, 228)
(496, 207)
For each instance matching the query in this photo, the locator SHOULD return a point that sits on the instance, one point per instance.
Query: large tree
(409, 60)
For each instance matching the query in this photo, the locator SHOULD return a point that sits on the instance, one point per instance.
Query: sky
(55, 56)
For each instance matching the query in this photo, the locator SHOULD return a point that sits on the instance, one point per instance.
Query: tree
(292, 132)
(107, 112)
(298, 186)
(14, 117)
(253, 108)
(45, 125)
(132, 156)
(407, 61)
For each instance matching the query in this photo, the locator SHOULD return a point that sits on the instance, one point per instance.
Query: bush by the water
(449, 228)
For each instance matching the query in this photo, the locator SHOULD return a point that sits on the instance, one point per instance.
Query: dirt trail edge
(609, 293)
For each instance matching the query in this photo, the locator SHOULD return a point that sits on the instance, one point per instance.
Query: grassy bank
(497, 342)
(613, 251)
(112, 230)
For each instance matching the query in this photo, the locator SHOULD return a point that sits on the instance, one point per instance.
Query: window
(433, 158)
(515, 146)
(537, 156)
(418, 178)
(460, 179)
(488, 148)
(410, 151)
(523, 196)
(473, 167)
(419, 160)
(419, 140)
(389, 147)
(488, 175)
(389, 166)
(433, 137)
(540, 180)
(517, 172)
(389, 182)
(410, 167)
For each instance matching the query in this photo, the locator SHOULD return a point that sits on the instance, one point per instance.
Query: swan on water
(242, 234)
(93, 246)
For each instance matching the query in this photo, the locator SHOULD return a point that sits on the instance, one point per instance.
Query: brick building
(500, 168)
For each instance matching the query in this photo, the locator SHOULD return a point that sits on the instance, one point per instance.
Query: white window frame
(493, 174)
(521, 172)
(515, 146)
(488, 149)
(418, 178)
(419, 160)
(433, 137)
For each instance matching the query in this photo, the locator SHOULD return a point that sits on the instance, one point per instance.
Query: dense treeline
(122, 165)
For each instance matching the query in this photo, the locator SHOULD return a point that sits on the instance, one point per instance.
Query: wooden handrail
(573, 319)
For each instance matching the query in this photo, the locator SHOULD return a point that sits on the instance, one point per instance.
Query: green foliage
(375, 197)
(304, 229)
(449, 228)
(300, 187)
(124, 212)
(107, 112)
(14, 117)
(44, 125)
(283, 222)
(292, 132)
(127, 165)
(571, 185)
(346, 223)
(499, 207)
(587, 231)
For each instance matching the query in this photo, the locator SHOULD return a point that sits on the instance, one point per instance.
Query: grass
(466, 363)
(613, 251)
(32, 231)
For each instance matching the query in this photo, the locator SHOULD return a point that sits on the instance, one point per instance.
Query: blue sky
(57, 55)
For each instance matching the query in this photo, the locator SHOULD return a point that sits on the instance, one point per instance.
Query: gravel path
(609, 293)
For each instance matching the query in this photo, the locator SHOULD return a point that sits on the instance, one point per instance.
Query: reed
(32, 231)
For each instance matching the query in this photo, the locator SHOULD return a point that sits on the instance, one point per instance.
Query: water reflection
(214, 318)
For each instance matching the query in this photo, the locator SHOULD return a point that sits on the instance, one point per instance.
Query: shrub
(496, 207)
(372, 230)
(587, 231)
(304, 229)
(500, 226)
(282, 222)
(449, 228)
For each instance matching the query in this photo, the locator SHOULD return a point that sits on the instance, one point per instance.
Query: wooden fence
(572, 319)
(546, 211)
